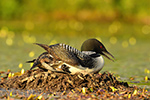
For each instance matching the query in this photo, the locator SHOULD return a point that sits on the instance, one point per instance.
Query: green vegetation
(79, 9)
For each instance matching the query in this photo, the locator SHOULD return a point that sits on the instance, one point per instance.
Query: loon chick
(44, 61)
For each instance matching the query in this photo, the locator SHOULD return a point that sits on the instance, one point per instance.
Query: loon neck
(91, 53)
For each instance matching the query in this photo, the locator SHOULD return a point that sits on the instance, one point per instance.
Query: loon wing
(67, 54)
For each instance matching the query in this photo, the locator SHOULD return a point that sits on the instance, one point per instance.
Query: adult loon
(67, 58)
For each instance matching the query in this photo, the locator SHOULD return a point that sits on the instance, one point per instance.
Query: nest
(48, 81)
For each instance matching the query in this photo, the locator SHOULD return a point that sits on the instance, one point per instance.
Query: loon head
(96, 46)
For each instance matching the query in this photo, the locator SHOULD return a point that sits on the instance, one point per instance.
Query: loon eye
(101, 47)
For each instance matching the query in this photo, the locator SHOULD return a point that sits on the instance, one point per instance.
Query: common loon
(67, 58)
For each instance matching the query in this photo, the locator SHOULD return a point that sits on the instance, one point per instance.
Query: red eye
(101, 47)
